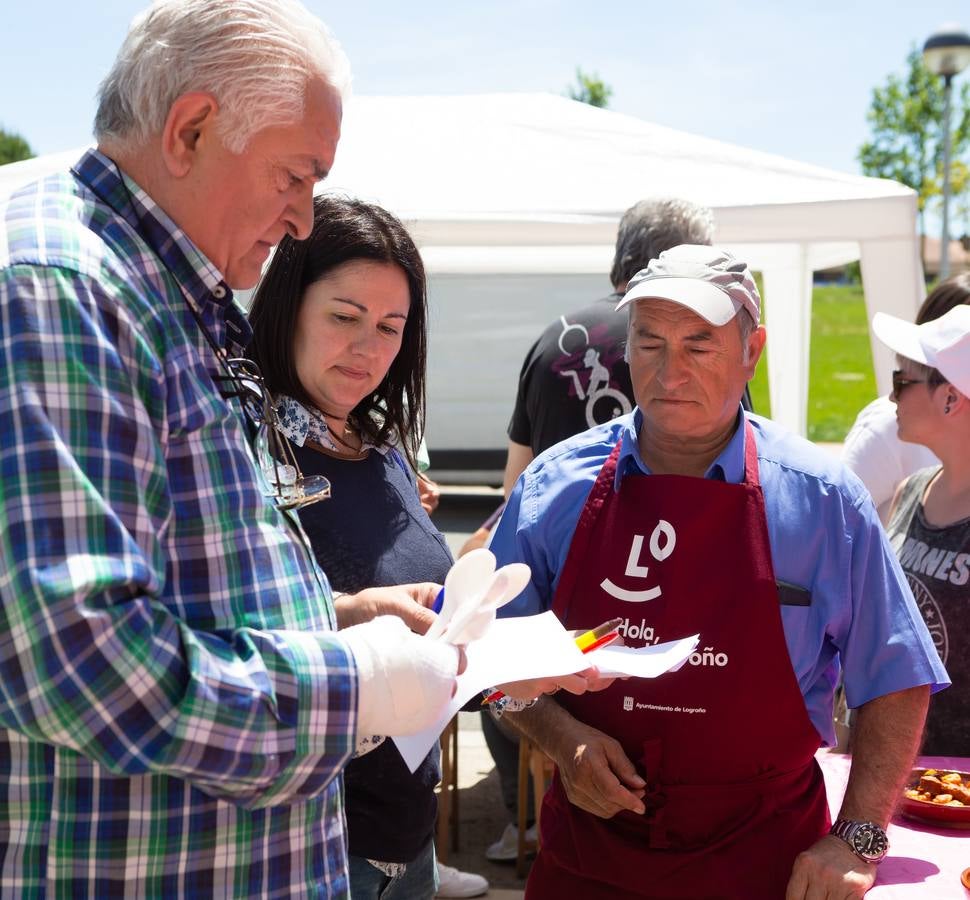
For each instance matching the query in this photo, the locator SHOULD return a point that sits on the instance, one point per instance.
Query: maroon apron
(725, 744)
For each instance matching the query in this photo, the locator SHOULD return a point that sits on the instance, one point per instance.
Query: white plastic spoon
(465, 582)
(471, 623)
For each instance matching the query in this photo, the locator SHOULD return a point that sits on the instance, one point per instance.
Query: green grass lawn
(841, 379)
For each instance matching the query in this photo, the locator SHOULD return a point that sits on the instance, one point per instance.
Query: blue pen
(439, 601)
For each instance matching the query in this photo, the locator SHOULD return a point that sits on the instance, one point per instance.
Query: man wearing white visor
(690, 516)
(929, 522)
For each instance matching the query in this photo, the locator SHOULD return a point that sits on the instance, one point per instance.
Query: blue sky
(790, 80)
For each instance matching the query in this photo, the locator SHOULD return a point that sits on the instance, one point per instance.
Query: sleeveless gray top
(937, 565)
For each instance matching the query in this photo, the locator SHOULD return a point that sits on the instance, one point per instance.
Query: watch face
(870, 842)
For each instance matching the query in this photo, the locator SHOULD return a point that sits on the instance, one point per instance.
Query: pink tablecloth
(924, 862)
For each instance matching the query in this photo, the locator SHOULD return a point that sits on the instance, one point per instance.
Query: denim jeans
(419, 881)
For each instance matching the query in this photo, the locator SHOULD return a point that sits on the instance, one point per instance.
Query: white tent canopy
(536, 183)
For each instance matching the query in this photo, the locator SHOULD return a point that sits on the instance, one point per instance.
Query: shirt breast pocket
(793, 595)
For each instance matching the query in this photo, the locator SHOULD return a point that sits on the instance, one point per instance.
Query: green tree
(13, 148)
(590, 89)
(960, 198)
(906, 118)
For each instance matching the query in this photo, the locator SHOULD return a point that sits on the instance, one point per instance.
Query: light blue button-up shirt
(825, 537)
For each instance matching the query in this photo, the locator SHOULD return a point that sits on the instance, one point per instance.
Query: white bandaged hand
(404, 682)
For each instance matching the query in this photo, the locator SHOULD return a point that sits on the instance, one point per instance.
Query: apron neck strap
(751, 476)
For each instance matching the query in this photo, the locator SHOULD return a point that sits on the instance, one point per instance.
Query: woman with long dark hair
(340, 334)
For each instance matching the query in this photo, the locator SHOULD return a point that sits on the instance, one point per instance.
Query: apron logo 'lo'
(659, 551)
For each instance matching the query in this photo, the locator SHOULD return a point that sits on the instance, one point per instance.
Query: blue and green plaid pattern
(174, 705)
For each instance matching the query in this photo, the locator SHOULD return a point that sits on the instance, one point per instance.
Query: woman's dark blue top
(372, 532)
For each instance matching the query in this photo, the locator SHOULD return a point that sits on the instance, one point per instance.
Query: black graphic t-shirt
(937, 565)
(573, 377)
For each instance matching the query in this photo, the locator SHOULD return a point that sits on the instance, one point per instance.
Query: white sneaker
(506, 848)
(453, 883)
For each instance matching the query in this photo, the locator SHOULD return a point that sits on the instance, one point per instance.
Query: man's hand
(578, 683)
(403, 682)
(829, 870)
(596, 773)
(428, 493)
(885, 737)
(410, 602)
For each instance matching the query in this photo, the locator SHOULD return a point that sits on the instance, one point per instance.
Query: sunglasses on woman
(901, 381)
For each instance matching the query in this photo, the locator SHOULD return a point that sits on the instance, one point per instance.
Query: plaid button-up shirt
(174, 705)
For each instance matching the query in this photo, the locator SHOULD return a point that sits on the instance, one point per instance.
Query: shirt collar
(200, 281)
(299, 424)
(727, 466)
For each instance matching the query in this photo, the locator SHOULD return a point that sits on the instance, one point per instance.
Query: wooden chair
(446, 829)
(532, 761)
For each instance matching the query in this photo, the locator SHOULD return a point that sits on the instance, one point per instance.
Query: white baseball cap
(942, 343)
(709, 281)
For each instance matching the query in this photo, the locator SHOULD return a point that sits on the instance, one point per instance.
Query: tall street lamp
(946, 53)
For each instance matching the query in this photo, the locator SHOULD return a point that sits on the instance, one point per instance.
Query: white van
(480, 328)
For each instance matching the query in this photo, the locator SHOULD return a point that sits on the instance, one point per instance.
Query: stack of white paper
(519, 649)
(643, 662)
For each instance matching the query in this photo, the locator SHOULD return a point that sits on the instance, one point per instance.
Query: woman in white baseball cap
(929, 525)
(872, 448)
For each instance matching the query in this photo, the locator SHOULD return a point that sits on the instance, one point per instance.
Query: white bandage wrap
(403, 681)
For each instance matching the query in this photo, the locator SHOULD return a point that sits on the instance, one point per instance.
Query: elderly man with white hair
(175, 703)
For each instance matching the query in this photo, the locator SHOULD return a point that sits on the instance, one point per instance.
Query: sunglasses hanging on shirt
(291, 489)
